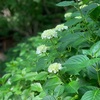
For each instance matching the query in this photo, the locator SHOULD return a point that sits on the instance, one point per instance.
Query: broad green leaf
(59, 90)
(76, 63)
(66, 3)
(67, 40)
(36, 87)
(91, 95)
(49, 98)
(72, 87)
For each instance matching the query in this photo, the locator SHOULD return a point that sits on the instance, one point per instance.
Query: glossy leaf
(91, 95)
(76, 63)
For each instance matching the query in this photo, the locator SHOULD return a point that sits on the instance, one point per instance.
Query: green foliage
(26, 18)
(91, 95)
(63, 65)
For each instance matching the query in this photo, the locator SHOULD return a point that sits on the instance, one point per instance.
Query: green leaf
(73, 21)
(67, 40)
(91, 72)
(5, 77)
(41, 63)
(66, 3)
(41, 76)
(59, 90)
(72, 87)
(95, 49)
(31, 76)
(49, 98)
(16, 77)
(52, 83)
(91, 95)
(76, 63)
(95, 13)
(36, 87)
(68, 98)
(88, 8)
(7, 96)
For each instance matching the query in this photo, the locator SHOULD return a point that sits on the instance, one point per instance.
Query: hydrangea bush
(62, 63)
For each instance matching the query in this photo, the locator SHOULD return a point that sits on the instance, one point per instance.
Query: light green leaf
(91, 95)
(72, 87)
(36, 87)
(66, 3)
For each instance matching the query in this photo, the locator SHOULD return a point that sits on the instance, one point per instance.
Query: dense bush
(61, 64)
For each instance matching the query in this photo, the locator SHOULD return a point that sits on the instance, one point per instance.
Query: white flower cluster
(55, 67)
(61, 27)
(48, 34)
(41, 49)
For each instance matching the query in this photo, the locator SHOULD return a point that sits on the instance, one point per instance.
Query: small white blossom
(55, 67)
(48, 34)
(61, 27)
(41, 49)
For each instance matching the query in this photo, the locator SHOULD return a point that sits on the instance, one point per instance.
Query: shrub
(68, 68)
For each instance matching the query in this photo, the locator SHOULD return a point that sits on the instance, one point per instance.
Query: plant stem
(85, 21)
(98, 76)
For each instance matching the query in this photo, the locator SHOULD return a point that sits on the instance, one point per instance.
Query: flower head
(48, 34)
(55, 67)
(61, 27)
(41, 49)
